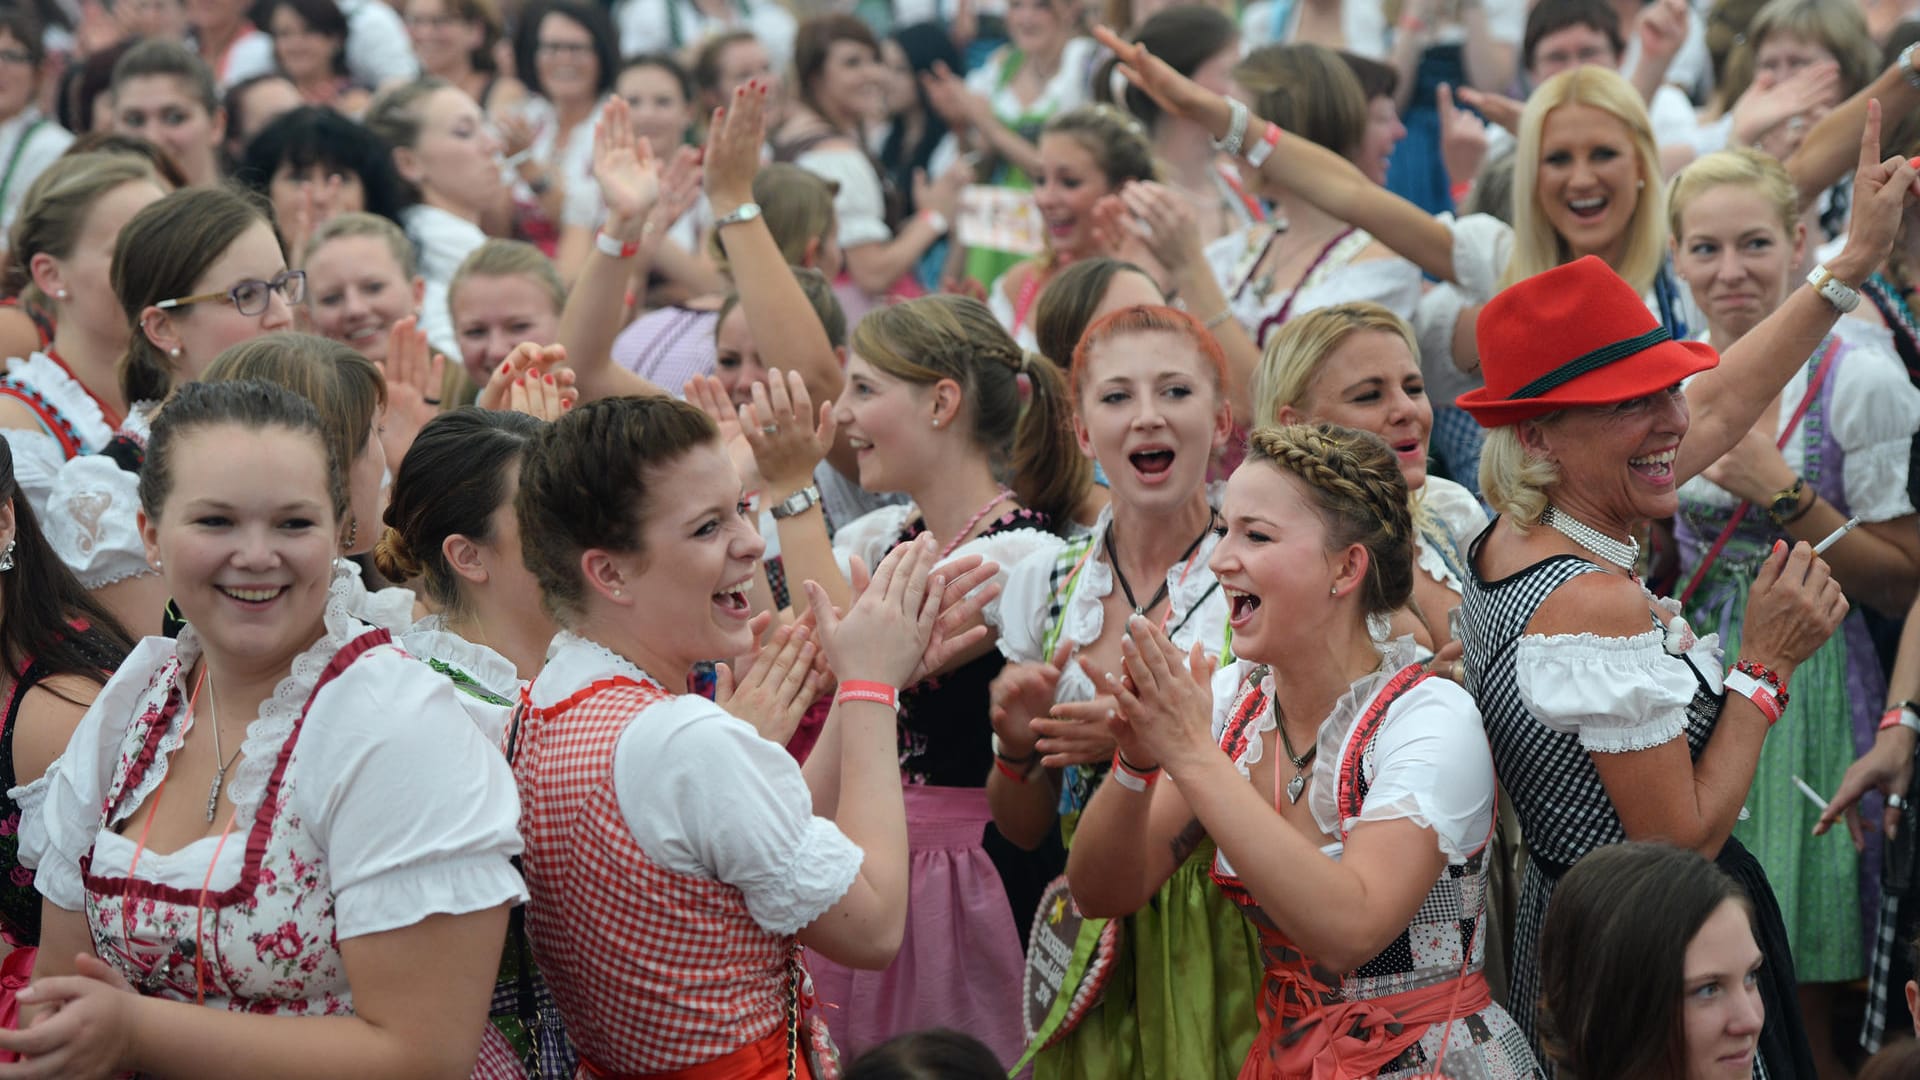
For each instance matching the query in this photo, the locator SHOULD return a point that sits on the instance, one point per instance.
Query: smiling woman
(243, 504)
(360, 275)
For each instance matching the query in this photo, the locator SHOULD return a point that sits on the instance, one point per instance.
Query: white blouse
(1618, 694)
(871, 536)
(403, 841)
(443, 240)
(37, 456)
(1194, 602)
(1392, 283)
(669, 764)
(1460, 514)
(1874, 413)
(1430, 762)
(430, 641)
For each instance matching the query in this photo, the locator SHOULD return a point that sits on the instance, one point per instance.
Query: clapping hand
(528, 362)
(780, 680)
(414, 375)
(624, 167)
(1020, 694)
(708, 394)
(779, 426)
(1165, 701)
(883, 636)
(734, 139)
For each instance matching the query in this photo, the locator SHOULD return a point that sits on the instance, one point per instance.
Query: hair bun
(395, 559)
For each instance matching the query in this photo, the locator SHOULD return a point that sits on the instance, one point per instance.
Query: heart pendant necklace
(1300, 762)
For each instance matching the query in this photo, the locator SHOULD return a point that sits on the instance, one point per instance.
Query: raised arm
(1828, 148)
(1311, 171)
(630, 185)
(1726, 400)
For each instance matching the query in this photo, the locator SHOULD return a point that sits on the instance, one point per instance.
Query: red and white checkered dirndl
(653, 970)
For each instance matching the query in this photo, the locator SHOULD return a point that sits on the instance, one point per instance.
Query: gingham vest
(653, 970)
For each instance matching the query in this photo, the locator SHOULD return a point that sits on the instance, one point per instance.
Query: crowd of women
(969, 539)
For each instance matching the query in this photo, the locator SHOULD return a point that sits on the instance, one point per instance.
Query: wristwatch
(797, 503)
(1841, 295)
(1784, 508)
(746, 211)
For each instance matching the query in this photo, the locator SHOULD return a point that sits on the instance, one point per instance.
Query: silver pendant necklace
(1623, 554)
(225, 763)
(1300, 762)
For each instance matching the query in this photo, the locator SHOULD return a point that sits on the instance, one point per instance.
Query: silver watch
(746, 211)
(797, 503)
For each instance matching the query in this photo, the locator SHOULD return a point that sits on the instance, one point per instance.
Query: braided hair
(1360, 496)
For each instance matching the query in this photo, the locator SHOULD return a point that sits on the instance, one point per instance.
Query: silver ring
(769, 429)
(1898, 802)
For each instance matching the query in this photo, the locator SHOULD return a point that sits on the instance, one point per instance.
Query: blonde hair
(1745, 167)
(1360, 495)
(341, 226)
(1294, 356)
(509, 258)
(1536, 246)
(1513, 481)
(1027, 432)
(1838, 26)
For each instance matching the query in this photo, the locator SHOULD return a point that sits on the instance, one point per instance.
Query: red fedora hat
(1575, 335)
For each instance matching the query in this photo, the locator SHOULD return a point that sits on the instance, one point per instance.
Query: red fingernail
(566, 404)
(521, 383)
(506, 366)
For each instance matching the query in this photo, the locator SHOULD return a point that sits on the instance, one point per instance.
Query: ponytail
(1049, 473)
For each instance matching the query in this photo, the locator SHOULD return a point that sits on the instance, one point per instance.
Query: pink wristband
(1764, 697)
(874, 692)
(1259, 152)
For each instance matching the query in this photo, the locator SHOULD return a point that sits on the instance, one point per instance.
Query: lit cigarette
(1810, 793)
(1834, 537)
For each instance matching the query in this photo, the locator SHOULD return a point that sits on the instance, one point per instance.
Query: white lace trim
(139, 423)
(1417, 808)
(278, 714)
(1323, 789)
(1084, 617)
(822, 869)
(1429, 559)
(431, 640)
(613, 662)
(51, 381)
(1261, 725)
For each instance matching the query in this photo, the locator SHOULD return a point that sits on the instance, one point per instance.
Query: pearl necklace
(1623, 554)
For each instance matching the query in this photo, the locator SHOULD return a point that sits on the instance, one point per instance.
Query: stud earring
(174, 352)
(60, 294)
(1640, 183)
(1333, 590)
(6, 556)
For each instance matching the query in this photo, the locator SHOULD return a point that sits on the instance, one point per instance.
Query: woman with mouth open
(1149, 387)
(669, 922)
(1360, 853)
(1835, 444)
(1357, 365)
(1610, 719)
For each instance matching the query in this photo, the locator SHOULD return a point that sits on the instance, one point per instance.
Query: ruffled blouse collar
(1324, 790)
(278, 714)
(429, 639)
(53, 381)
(1083, 616)
(574, 662)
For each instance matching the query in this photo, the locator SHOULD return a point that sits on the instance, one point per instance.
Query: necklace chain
(1126, 587)
(1624, 554)
(1299, 761)
(219, 755)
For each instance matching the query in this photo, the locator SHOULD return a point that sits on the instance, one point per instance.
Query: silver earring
(6, 556)
(60, 294)
(353, 533)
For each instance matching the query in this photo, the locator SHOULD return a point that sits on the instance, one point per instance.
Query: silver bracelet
(1218, 317)
(1910, 63)
(1236, 129)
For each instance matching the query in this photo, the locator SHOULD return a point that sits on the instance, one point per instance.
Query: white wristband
(1841, 295)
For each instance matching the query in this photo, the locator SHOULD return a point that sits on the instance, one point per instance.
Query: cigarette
(1810, 793)
(1834, 537)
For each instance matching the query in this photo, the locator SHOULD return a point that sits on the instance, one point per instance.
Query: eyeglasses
(252, 296)
(563, 48)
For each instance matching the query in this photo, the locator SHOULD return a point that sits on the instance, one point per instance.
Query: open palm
(624, 166)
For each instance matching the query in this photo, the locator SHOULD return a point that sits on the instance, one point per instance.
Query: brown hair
(1118, 144)
(813, 42)
(1612, 954)
(1309, 91)
(819, 293)
(491, 28)
(250, 404)
(451, 481)
(355, 223)
(54, 212)
(394, 117)
(1067, 303)
(706, 62)
(156, 56)
(346, 389)
(1840, 28)
(1359, 494)
(117, 144)
(955, 337)
(797, 207)
(586, 483)
(160, 255)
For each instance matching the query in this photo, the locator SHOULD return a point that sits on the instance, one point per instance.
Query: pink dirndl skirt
(961, 960)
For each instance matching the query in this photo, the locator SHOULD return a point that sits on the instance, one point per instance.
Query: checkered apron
(653, 970)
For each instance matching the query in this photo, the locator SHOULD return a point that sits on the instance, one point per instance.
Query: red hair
(1148, 319)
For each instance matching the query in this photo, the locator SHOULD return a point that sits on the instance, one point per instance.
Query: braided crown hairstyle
(587, 485)
(1359, 494)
